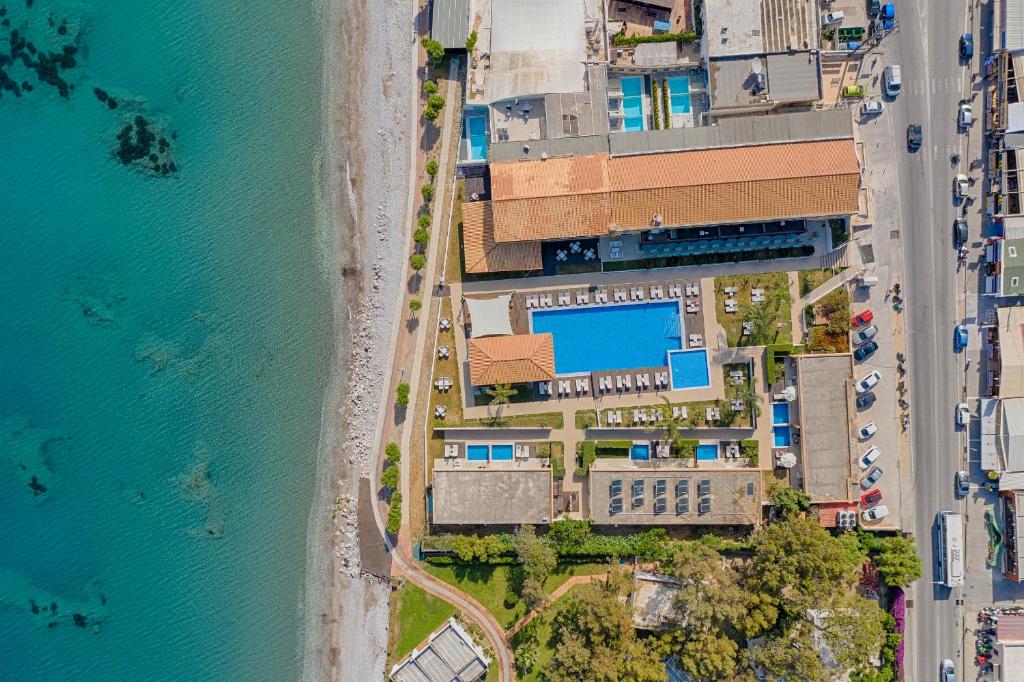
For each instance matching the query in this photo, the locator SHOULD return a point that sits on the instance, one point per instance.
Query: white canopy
(787, 460)
(790, 393)
(490, 316)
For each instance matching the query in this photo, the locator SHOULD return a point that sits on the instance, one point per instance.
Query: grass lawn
(490, 585)
(586, 418)
(540, 628)
(812, 279)
(416, 615)
(551, 420)
(778, 327)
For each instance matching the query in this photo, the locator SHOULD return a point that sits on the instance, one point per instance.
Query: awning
(489, 316)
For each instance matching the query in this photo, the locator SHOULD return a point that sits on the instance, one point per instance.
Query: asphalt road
(934, 83)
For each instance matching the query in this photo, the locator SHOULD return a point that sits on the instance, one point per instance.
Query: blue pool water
(633, 103)
(679, 94)
(477, 453)
(689, 369)
(780, 413)
(781, 436)
(707, 452)
(639, 451)
(611, 337)
(501, 453)
(476, 134)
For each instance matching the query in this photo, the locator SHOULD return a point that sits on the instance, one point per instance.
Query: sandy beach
(365, 182)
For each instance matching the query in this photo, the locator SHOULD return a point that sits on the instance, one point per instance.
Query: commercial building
(472, 493)
(1011, 513)
(605, 195)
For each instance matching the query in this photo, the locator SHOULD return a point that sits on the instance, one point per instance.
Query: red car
(862, 318)
(871, 498)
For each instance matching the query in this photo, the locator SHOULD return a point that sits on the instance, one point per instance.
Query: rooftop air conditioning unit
(526, 149)
(544, 155)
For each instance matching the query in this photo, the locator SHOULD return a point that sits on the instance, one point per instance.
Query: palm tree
(673, 426)
(747, 392)
(501, 394)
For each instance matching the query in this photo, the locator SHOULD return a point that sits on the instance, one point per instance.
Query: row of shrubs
(622, 40)
(572, 540)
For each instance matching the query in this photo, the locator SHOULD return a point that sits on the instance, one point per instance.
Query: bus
(951, 548)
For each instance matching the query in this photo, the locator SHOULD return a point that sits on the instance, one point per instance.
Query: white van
(891, 79)
(868, 280)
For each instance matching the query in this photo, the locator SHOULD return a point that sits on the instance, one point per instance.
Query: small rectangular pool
(780, 413)
(633, 103)
(476, 136)
(610, 337)
(477, 453)
(707, 452)
(679, 94)
(501, 453)
(781, 436)
(689, 369)
(640, 451)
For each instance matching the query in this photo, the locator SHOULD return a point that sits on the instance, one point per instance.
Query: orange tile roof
(483, 253)
(588, 196)
(511, 359)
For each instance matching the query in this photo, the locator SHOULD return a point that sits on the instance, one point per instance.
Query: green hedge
(687, 448)
(751, 450)
(395, 512)
(684, 37)
(613, 448)
(558, 467)
(771, 352)
(586, 453)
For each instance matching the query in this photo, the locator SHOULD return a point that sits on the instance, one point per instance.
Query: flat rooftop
(825, 400)
(688, 496)
(1013, 267)
(736, 28)
(537, 47)
(491, 493)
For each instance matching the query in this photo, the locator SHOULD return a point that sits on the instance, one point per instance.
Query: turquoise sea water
(164, 346)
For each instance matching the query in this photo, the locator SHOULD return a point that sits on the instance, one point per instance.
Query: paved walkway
(553, 597)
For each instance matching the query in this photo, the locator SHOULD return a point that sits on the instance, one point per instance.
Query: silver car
(871, 478)
(865, 334)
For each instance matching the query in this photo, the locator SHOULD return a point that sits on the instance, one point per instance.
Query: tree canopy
(538, 559)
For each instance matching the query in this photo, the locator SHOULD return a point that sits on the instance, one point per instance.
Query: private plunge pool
(781, 436)
(640, 451)
(707, 452)
(479, 452)
(780, 414)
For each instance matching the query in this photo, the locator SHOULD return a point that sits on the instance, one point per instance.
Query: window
(1014, 281)
(1012, 251)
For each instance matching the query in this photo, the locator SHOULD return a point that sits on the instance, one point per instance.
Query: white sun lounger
(563, 298)
(636, 416)
(674, 291)
(601, 296)
(626, 381)
(564, 387)
(619, 295)
(546, 301)
(582, 297)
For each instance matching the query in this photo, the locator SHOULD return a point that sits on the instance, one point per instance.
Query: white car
(875, 513)
(964, 117)
(867, 431)
(960, 185)
(868, 382)
(872, 106)
(963, 415)
(868, 458)
(865, 334)
(830, 18)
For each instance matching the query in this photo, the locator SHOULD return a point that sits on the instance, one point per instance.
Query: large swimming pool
(679, 94)
(476, 136)
(611, 337)
(632, 103)
(689, 369)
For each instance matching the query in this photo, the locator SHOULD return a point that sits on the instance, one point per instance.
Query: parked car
(875, 513)
(966, 46)
(868, 382)
(947, 673)
(829, 18)
(865, 401)
(872, 106)
(892, 81)
(960, 185)
(960, 337)
(869, 457)
(854, 91)
(914, 137)
(874, 7)
(961, 483)
(862, 318)
(964, 116)
(867, 431)
(959, 232)
(871, 498)
(871, 478)
(866, 334)
(963, 415)
(864, 351)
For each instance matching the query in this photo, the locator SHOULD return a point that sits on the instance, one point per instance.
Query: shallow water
(165, 344)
